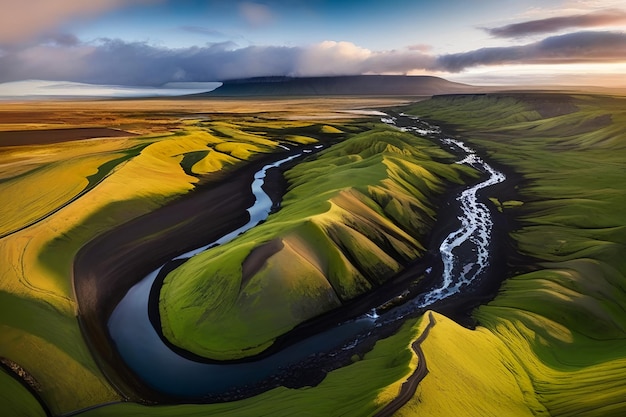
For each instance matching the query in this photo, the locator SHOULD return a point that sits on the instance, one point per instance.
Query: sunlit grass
(563, 325)
(40, 179)
(65, 194)
(471, 373)
(350, 220)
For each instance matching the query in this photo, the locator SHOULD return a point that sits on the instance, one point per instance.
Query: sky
(166, 45)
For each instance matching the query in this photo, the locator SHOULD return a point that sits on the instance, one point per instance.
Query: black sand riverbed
(112, 263)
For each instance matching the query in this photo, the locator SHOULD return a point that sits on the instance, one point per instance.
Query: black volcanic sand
(108, 266)
(505, 260)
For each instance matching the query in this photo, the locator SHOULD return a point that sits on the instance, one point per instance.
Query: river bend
(464, 255)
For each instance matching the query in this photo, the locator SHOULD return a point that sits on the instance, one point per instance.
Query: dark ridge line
(24, 383)
(408, 388)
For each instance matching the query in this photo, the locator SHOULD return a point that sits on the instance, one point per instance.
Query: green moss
(564, 322)
(350, 220)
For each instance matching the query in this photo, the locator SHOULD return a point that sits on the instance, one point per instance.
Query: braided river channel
(464, 257)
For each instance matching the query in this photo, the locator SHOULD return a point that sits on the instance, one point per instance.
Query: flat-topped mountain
(340, 86)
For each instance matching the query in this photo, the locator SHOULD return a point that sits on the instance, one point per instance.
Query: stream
(464, 257)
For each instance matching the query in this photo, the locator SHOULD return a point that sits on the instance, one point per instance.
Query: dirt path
(410, 385)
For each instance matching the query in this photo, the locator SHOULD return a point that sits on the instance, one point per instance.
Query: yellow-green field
(552, 342)
(560, 328)
(59, 196)
(351, 219)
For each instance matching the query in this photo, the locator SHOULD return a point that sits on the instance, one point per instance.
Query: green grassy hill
(560, 325)
(552, 343)
(351, 219)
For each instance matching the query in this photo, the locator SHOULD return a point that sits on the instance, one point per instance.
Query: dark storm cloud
(569, 48)
(554, 24)
(117, 62)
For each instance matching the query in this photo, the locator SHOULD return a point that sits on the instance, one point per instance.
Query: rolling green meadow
(559, 327)
(551, 343)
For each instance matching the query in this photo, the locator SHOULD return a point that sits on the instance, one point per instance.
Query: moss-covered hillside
(351, 219)
(59, 196)
(560, 328)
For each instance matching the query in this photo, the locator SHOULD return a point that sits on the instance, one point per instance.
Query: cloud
(22, 20)
(330, 58)
(112, 61)
(62, 39)
(345, 58)
(569, 75)
(554, 24)
(38, 88)
(422, 47)
(561, 49)
(256, 14)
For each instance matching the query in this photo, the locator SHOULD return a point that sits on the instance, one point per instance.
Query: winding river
(464, 256)
(465, 251)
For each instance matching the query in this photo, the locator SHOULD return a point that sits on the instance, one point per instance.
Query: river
(464, 256)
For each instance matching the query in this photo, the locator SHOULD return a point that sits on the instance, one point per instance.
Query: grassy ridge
(41, 178)
(562, 326)
(350, 219)
(471, 373)
(15, 400)
(124, 178)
